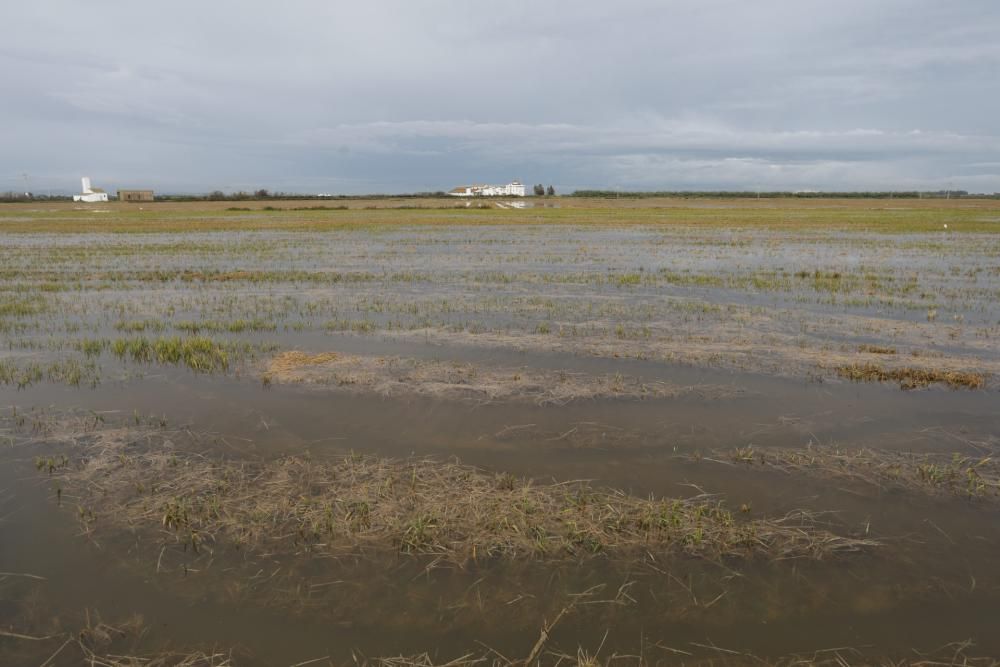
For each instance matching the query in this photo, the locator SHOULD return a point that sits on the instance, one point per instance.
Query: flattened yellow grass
(296, 359)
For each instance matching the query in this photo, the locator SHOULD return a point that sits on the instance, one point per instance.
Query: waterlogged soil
(280, 444)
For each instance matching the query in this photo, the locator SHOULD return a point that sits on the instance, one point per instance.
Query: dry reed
(912, 378)
(128, 478)
(974, 477)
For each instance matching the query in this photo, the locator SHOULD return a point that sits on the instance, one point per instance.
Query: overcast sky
(412, 95)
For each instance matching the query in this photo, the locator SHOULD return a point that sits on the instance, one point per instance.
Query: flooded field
(640, 432)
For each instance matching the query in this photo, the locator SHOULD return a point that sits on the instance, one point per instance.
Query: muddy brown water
(934, 580)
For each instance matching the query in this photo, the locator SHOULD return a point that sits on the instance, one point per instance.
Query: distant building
(135, 195)
(90, 195)
(515, 189)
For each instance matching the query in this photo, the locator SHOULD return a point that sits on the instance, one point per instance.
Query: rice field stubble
(650, 310)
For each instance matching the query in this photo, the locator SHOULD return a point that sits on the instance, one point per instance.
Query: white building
(90, 195)
(514, 189)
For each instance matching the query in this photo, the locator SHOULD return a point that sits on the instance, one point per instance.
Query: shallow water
(919, 578)
(932, 581)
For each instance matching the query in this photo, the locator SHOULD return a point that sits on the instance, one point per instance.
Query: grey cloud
(644, 134)
(395, 95)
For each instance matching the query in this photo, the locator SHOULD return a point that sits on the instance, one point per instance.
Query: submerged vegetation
(135, 478)
(763, 289)
(98, 643)
(912, 378)
(588, 353)
(972, 477)
(73, 372)
(479, 383)
(198, 353)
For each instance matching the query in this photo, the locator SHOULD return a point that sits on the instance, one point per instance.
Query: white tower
(90, 195)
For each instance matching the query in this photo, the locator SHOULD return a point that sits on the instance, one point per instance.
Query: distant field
(889, 216)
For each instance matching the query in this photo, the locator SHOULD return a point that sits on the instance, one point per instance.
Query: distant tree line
(12, 197)
(539, 190)
(264, 195)
(742, 194)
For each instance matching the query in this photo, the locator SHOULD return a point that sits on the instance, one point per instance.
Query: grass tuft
(912, 378)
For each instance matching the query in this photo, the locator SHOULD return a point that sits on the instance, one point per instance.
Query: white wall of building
(514, 189)
(92, 198)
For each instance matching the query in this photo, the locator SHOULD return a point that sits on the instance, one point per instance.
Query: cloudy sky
(412, 95)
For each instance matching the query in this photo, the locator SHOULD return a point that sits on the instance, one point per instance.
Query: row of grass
(882, 216)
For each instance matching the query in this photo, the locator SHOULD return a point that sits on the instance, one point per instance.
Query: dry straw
(144, 481)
